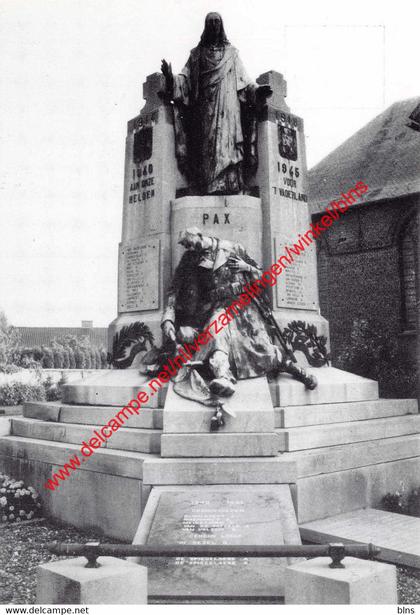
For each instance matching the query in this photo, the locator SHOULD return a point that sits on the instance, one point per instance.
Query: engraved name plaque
(296, 286)
(138, 283)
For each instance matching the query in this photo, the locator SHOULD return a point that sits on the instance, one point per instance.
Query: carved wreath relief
(128, 342)
(301, 336)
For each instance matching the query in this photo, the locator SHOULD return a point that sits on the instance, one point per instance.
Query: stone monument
(238, 175)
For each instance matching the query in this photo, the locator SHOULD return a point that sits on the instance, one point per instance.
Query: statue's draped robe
(209, 134)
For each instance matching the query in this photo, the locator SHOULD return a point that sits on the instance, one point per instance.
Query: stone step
(316, 436)
(334, 386)
(224, 470)
(251, 404)
(151, 468)
(355, 455)
(148, 418)
(116, 387)
(219, 445)
(11, 410)
(334, 493)
(321, 414)
(126, 439)
(105, 461)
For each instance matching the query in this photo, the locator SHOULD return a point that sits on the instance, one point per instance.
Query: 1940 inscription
(142, 184)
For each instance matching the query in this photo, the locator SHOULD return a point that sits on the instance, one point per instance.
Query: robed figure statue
(214, 105)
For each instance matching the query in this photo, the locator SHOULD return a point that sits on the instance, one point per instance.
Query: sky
(71, 74)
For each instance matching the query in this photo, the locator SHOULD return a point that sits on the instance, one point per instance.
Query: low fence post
(316, 581)
(113, 581)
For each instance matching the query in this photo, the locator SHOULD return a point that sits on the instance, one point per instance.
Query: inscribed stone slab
(218, 515)
(297, 285)
(138, 276)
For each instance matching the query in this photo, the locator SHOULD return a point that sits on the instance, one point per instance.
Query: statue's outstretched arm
(166, 69)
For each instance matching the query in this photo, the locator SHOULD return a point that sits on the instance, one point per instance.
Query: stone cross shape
(154, 84)
(279, 86)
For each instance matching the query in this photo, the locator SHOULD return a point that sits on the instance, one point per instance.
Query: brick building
(367, 261)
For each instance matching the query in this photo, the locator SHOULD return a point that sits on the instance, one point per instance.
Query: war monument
(255, 433)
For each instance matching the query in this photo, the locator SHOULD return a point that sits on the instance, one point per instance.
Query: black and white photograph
(209, 306)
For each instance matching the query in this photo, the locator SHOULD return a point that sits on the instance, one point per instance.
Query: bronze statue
(215, 282)
(214, 114)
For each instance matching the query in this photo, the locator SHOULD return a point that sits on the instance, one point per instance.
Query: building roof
(385, 154)
(38, 336)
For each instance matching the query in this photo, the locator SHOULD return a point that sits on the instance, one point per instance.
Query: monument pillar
(151, 180)
(282, 182)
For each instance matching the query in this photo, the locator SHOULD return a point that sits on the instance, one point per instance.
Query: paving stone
(398, 536)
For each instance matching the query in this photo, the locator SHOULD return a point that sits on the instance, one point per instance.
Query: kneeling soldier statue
(217, 298)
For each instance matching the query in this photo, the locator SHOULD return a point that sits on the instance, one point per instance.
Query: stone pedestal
(68, 581)
(150, 183)
(251, 404)
(360, 582)
(250, 433)
(282, 185)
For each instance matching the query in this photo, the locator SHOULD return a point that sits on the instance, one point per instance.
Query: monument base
(341, 448)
